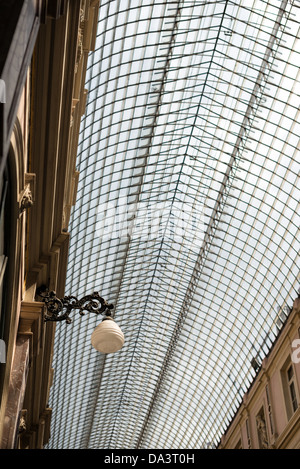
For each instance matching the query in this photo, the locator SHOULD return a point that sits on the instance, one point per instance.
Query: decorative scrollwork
(59, 309)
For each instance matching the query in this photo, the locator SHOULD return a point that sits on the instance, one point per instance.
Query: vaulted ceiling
(187, 218)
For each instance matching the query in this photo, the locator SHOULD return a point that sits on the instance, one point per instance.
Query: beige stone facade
(269, 417)
(44, 99)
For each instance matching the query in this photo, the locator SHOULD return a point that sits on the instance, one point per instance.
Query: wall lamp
(106, 338)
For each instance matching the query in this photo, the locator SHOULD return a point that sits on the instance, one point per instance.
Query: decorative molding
(80, 39)
(31, 325)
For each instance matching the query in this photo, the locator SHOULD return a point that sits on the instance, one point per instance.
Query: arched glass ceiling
(186, 219)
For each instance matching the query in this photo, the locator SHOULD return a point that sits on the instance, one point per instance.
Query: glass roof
(186, 219)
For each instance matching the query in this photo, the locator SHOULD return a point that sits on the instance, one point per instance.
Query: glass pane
(187, 219)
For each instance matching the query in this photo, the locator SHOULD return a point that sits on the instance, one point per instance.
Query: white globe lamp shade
(107, 337)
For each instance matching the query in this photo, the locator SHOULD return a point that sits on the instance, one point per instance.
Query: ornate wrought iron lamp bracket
(59, 309)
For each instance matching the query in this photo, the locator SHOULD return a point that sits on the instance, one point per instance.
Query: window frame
(286, 387)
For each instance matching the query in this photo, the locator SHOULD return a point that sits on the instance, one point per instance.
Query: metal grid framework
(186, 219)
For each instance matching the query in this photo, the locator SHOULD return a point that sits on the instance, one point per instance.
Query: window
(289, 388)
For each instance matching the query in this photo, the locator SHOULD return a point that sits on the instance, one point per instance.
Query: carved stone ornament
(262, 431)
(22, 422)
(26, 199)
